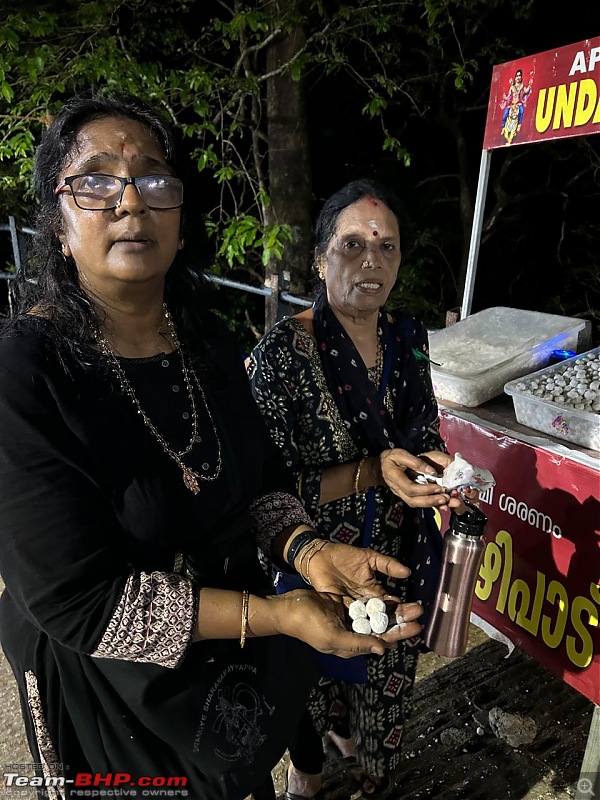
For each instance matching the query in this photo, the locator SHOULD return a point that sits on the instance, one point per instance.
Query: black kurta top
(102, 548)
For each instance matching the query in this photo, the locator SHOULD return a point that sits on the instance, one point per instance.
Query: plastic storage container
(476, 357)
(559, 419)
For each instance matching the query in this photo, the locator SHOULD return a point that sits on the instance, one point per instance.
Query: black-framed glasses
(96, 192)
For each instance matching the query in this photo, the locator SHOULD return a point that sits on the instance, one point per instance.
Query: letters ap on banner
(550, 95)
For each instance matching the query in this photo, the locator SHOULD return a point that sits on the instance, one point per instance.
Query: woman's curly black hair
(50, 283)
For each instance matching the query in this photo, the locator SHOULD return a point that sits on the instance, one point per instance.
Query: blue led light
(561, 355)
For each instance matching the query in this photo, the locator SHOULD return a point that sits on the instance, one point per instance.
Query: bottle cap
(471, 523)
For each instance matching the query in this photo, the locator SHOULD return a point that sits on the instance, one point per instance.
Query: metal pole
(264, 290)
(296, 301)
(14, 237)
(272, 302)
(484, 171)
(588, 784)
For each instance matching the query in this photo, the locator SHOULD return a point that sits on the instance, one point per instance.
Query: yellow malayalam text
(543, 611)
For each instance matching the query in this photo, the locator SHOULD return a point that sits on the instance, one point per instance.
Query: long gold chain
(191, 478)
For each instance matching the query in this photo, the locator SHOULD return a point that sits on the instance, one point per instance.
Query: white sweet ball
(361, 625)
(375, 605)
(379, 622)
(357, 610)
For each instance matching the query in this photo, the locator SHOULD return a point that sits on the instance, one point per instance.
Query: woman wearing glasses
(137, 484)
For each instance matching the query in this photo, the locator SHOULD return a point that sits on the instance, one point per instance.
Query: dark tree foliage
(392, 90)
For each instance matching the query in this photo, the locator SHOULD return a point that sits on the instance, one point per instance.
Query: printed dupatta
(360, 403)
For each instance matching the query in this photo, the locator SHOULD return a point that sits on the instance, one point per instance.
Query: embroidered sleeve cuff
(273, 512)
(153, 621)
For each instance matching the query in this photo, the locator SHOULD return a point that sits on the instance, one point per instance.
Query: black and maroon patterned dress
(292, 391)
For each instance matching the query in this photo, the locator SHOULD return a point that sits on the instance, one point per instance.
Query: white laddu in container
(562, 400)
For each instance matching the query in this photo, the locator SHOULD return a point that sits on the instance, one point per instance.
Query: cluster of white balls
(575, 384)
(369, 617)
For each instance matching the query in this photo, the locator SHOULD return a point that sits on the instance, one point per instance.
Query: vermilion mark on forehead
(375, 233)
(122, 145)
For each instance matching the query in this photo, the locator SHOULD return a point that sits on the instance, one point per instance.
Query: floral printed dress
(289, 386)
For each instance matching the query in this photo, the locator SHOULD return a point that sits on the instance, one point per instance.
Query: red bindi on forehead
(375, 233)
(122, 145)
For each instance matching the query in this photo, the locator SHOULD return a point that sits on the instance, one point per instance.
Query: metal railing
(16, 245)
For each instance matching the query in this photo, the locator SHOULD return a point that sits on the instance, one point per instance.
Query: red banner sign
(550, 95)
(539, 583)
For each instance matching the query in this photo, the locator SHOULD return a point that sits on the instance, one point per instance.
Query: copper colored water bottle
(448, 627)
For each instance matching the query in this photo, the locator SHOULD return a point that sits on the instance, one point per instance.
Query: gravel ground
(454, 748)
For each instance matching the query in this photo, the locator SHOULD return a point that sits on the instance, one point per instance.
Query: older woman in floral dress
(346, 391)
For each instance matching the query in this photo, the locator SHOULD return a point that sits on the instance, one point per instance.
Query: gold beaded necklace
(191, 478)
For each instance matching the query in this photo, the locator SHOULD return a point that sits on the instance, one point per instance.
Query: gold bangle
(357, 490)
(303, 553)
(307, 552)
(314, 552)
(245, 606)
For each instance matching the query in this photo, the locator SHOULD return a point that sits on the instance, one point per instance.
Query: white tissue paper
(462, 475)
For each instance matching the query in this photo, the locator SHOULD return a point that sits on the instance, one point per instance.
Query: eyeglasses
(95, 192)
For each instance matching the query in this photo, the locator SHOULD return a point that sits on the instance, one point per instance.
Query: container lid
(496, 336)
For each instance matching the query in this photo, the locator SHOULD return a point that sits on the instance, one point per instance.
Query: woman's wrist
(267, 616)
(305, 556)
(368, 475)
(375, 474)
(302, 538)
(227, 614)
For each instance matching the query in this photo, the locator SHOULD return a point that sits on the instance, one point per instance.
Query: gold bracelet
(357, 490)
(303, 553)
(307, 552)
(245, 606)
(314, 552)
